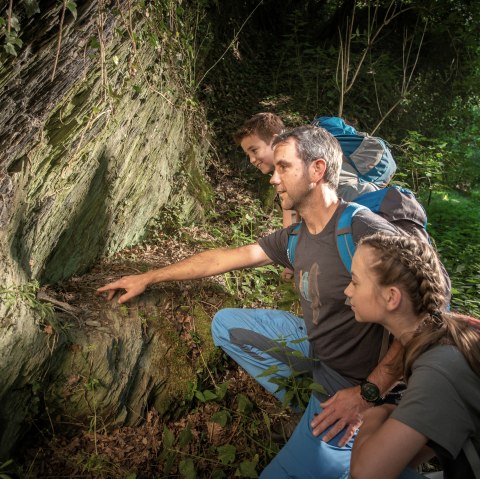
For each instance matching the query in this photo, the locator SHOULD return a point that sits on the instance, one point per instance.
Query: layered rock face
(95, 138)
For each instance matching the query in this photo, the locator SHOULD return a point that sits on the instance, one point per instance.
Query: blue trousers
(259, 339)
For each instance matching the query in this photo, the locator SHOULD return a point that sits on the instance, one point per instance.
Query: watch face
(370, 392)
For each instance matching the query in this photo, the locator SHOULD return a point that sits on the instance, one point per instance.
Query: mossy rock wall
(94, 141)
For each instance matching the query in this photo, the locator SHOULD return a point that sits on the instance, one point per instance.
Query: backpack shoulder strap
(345, 243)
(346, 249)
(292, 243)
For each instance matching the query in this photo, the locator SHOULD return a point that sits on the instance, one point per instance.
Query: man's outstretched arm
(201, 265)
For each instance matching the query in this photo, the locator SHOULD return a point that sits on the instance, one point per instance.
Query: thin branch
(229, 46)
(372, 36)
(418, 54)
(406, 89)
(9, 20)
(59, 43)
(103, 68)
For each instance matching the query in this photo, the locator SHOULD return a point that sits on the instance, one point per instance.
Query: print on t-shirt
(308, 287)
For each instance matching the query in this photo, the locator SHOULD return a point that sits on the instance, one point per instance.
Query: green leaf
(226, 453)
(300, 340)
(199, 395)
(185, 437)
(247, 469)
(221, 390)
(289, 395)
(31, 7)
(15, 24)
(94, 43)
(72, 6)
(170, 462)
(209, 395)
(187, 469)
(168, 438)
(244, 404)
(317, 387)
(221, 417)
(269, 371)
(297, 354)
(218, 474)
(10, 49)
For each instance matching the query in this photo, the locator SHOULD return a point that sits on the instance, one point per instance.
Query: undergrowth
(454, 223)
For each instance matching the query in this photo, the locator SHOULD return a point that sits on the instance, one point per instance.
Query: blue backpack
(397, 205)
(369, 156)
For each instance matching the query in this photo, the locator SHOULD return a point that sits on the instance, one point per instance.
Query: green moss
(203, 322)
(198, 185)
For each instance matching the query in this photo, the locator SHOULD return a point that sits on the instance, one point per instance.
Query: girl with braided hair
(397, 281)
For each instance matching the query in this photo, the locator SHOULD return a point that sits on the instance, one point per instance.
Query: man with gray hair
(342, 355)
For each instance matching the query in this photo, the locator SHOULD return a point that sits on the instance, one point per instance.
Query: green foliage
(421, 163)
(462, 133)
(27, 293)
(298, 386)
(6, 469)
(71, 5)
(185, 454)
(454, 223)
(245, 224)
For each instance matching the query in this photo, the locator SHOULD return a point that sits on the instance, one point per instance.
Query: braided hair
(412, 264)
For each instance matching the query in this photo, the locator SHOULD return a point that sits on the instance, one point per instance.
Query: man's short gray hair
(314, 143)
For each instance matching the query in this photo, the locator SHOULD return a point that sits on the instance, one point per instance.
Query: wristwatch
(370, 393)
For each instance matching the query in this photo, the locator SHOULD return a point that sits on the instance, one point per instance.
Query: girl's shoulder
(439, 351)
(446, 359)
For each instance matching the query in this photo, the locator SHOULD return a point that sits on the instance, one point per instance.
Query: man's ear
(392, 296)
(317, 169)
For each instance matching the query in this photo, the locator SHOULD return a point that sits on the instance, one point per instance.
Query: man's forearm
(209, 263)
(382, 375)
(201, 265)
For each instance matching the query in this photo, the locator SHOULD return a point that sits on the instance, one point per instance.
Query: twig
(103, 69)
(406, 89)
(59, 44)
(9, 22)
(229, 46)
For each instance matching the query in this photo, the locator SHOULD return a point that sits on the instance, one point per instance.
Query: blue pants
(261, 339)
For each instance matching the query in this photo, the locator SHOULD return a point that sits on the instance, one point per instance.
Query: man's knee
(220, 325)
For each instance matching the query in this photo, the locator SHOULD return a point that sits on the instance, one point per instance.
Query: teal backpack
(397, 205)
(369, 156)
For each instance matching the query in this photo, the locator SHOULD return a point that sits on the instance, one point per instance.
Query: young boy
(255, 137)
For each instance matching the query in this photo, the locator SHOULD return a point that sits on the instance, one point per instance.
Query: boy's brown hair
(264, 125)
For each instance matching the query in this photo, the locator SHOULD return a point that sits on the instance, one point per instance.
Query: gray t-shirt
(350, 348)
(442, 402)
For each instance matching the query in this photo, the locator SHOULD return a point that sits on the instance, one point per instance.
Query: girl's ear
(393, 297)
